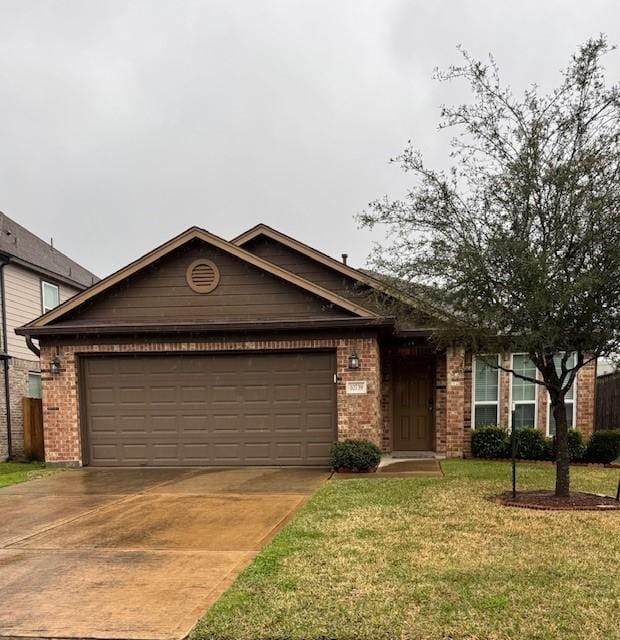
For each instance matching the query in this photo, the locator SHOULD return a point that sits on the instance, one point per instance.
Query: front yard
(14, 472)
(432, 559)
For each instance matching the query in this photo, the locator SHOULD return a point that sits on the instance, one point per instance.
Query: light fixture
(55, 365)
(354, 361)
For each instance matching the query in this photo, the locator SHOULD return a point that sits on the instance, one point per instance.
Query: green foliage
(576, 446)
(14, 472)
(355, 455)
(495, 563)
(531, 444)
(518, 242)
(529, 205)
(490, 441)
(604, 447)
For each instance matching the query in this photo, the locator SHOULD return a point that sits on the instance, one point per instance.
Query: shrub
(531, 444)
(549, 449)
(576, 446)
(356, 455)
(490, 441)
(604, 447)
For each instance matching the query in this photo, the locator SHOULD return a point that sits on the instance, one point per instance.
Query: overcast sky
(123, 123)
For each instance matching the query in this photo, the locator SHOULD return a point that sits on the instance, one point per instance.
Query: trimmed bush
(355, 455)
(576, 446)
(531, 444)
(549, 449)
(604, 447)
(490, 441)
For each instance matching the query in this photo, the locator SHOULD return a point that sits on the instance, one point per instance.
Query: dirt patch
(547, 501)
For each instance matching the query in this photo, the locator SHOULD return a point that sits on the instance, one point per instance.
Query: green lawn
(432, 559)
(14, 472)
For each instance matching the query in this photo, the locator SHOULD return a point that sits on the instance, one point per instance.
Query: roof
(372, 279)
(24, 247)
(159, 252)
(265, 230)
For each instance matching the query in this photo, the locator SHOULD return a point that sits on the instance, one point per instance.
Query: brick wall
(387, 372)
(455, 402)
(359, 416)
(586, 386)
(450, 403)
(18, 388)
(467, 403)
(504, 389)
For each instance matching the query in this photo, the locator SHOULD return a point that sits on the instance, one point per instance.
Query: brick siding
(358, 416)
(18, 389)
(586, 386)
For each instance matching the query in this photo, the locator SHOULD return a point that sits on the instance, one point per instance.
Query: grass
(432, 559)
(14, 472)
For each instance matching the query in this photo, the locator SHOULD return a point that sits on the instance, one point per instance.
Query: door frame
(396, 366)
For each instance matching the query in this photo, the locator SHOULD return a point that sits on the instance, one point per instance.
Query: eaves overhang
(194, 328)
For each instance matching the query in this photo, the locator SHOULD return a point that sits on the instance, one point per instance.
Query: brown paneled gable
(160, 292)
(309, 269)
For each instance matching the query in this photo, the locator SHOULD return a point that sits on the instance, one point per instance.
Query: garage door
(226, 410)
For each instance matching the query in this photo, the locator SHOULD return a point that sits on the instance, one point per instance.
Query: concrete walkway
(134, 553)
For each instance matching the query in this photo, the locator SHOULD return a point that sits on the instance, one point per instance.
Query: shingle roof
(18, 242)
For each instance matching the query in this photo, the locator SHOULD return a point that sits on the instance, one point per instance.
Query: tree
(518, 242)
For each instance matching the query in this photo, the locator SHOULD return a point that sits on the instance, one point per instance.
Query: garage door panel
(215, 409)
(104, 424)
(319, 422)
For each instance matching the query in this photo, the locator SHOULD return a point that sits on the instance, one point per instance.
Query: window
(49, 296)
(522, 392)
(34, 384)
(569, 398)
(486, 390)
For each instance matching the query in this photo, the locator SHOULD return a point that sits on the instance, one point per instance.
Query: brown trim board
(210, 327)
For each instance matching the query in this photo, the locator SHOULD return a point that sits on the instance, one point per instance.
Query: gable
(160, 293)
(359, 287)
(309, 269)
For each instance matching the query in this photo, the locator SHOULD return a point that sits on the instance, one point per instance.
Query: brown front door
(414, 406)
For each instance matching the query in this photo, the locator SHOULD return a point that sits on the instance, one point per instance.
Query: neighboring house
(34, 278)
(259, 351)
(605, 366)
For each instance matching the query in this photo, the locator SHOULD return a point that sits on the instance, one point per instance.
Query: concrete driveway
(134, 553)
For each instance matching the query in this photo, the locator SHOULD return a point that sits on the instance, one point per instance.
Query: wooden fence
(608, 402)
(33, 429)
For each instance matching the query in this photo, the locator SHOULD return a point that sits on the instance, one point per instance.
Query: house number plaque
(357, 387)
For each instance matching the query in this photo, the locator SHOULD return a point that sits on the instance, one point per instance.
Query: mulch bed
(547, 501)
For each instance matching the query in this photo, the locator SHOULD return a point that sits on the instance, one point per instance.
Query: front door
(414, 406)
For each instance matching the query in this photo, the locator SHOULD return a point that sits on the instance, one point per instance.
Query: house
(259, 351)
(34, 278)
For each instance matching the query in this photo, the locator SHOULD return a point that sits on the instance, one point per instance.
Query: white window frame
(510, 400)
(45, 283)
(473, 388)
(36, 374)
(573, 400)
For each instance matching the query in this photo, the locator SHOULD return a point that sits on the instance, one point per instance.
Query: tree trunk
(562, 460)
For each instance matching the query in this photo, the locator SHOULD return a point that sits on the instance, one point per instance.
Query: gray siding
(23, 304)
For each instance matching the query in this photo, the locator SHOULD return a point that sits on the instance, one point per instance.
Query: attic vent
(202, 276)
